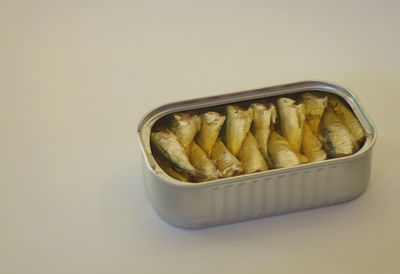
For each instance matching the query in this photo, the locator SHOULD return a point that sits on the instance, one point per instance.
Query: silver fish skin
(348, 118)
(201, 162)
(238, 122)
(281, 153)
(168, 168)
(264, 117)
(251, 157)
(211, 123)
(185, 126)
(314, 109)
(337, 139)
(166, 143)
(225, 161)
(292, 118)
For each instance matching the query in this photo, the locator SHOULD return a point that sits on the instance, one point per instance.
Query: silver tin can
(272, 192)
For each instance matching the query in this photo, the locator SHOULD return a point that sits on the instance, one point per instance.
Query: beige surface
(75, 78)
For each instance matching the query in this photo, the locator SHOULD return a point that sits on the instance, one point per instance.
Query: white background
(76, 77)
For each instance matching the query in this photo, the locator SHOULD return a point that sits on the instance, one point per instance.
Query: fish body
(314, 109)
(185, 126)
(224, 160)
(281, 152)
(264, 117)
(348, 118)
(250, 156)
(211, 123)
(167, 167)
(238, 122)
(292, 118)
(337, 139)
(201, 162)
(311, 145)
(167, 144)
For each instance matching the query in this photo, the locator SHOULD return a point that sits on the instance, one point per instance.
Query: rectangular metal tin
(272, 192)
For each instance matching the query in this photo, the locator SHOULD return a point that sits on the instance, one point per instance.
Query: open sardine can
(264, 193)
